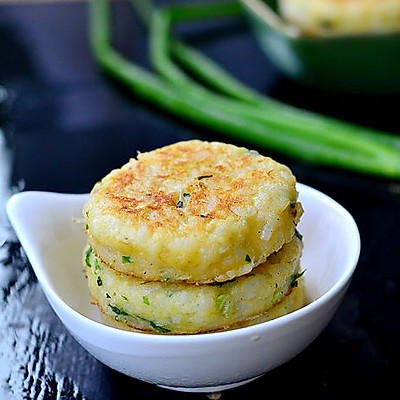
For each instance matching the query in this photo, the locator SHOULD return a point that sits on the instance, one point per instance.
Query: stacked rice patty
(194, 237)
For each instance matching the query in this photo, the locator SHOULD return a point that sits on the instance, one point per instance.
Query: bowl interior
(331, 243)
(49, 226)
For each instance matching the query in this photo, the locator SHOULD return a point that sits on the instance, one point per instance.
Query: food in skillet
(342, 17)
(194, 237)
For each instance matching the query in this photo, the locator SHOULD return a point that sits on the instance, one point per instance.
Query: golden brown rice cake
(193, 211)
(181, 308)
(295, 300)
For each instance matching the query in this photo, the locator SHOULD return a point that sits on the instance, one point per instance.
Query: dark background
(64, 125)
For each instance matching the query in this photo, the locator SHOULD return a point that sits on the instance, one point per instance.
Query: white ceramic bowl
(199, 363)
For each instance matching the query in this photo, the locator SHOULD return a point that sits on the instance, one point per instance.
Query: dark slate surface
(64, 125)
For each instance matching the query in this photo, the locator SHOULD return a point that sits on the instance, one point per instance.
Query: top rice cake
(193, 211)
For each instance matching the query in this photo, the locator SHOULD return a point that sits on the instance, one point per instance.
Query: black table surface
(63, 125)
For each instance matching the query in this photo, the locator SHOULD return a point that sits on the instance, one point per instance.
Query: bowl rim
(58, 303)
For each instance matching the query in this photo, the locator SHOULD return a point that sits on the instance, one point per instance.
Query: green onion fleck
(99, 281)
(96, 265)
(118, 311)
(276, 297)
(87, 256)
(159, 328)
(298, 234)
(223, 304)
(248, 259)
(203, 177)
(294, 279)
(146, 300)
(126, 259)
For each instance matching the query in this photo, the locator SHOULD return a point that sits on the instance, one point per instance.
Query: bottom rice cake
(293, 301)
(181, 308)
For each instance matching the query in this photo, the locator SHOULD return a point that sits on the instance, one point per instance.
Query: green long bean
(347, 140)
(214, 76)
(208, 71)
(152, 88)
(203, 67)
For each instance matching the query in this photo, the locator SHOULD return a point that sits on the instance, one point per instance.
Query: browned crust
(136, 191)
